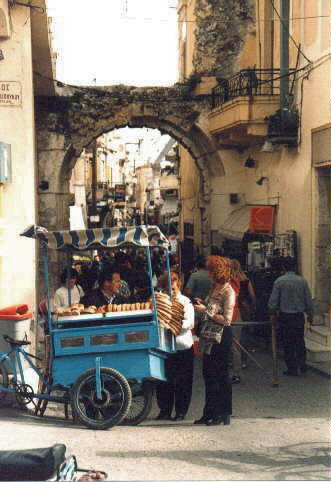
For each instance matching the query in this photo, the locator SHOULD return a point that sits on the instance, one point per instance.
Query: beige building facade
(294, 177)
(25, 55)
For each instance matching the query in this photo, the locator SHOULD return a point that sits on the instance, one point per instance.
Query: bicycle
(16, 384)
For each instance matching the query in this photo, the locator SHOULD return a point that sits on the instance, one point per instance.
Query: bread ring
(64, 312)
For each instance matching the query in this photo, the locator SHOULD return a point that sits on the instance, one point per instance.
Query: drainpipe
(284, 52)
(94, 178)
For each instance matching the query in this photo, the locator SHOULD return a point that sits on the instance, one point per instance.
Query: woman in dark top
(215, 342)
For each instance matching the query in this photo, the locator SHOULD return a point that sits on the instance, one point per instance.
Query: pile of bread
(79, 309)
(170, 313)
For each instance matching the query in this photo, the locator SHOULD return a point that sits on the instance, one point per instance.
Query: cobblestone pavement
(275, 434)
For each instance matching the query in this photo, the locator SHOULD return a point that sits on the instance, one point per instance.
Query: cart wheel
(141, 405)
(111, 408)
(3, 381)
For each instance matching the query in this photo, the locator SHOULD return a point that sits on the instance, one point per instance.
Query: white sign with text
(10, 93)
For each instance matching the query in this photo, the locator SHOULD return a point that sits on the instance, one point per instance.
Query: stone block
(49, 141)
(323, 235)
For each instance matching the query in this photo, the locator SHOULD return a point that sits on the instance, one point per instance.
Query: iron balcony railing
(247, 82)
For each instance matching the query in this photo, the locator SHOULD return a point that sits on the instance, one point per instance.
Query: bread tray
(99, 316)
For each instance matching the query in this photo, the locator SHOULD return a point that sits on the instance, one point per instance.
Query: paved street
(275, 434)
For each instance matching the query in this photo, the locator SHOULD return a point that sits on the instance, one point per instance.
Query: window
(104, 339)
(136, 336)
(73, 342)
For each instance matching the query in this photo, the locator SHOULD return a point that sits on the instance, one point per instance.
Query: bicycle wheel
(3, 381)
(108, 411)
(141, 405)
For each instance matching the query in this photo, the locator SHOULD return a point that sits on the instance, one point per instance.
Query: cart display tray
(100, 316)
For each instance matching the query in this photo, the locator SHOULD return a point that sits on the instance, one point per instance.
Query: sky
(106, 42)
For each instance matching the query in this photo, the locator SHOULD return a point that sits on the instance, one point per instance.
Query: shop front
(248, 234)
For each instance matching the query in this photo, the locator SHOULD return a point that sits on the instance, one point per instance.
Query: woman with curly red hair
(216, 341)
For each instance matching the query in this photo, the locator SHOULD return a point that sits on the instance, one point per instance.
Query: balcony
(169, 183)
(240, 105)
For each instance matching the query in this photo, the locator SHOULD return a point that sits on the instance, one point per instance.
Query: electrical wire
(28, 4)
(150, 19)
(185, 97)
(313, 66)
(287, 30)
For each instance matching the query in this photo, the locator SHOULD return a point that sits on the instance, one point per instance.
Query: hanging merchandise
(285, 244)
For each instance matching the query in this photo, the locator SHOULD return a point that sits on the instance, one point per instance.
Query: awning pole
(68, 275)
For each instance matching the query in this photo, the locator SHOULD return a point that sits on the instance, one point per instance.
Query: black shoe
(225, 419)
(235, 380)
(163, 416)
(304, 368)
(291, 373)
(215, 421)
(201, 421)
(178, 418)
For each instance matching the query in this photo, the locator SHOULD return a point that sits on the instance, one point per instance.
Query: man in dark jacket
(289, 301)
(108, 291)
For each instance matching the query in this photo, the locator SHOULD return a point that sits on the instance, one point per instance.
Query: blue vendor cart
(101, 360)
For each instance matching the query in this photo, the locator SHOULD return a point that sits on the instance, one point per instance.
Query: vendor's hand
(198, 300)
(200, 308)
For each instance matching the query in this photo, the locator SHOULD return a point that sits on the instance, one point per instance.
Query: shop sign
(10, 93)
(262, 220)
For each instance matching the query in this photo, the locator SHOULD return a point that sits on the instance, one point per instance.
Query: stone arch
(201, 147)
(69, 122)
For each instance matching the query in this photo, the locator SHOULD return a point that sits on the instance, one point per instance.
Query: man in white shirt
(61, 297)
(176, 392)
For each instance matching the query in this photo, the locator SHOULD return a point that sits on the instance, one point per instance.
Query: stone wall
(222, 26)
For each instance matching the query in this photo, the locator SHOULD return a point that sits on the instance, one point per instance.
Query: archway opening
(133, 175)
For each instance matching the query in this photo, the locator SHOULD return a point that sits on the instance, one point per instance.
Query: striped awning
(139, 236)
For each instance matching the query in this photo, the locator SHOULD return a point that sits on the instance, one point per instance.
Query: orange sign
(262, 219)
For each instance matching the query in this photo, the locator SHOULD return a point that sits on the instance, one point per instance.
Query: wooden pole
(235, 339)
(275, 382)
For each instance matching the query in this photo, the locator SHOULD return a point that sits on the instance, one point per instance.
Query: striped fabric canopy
(100, 237)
